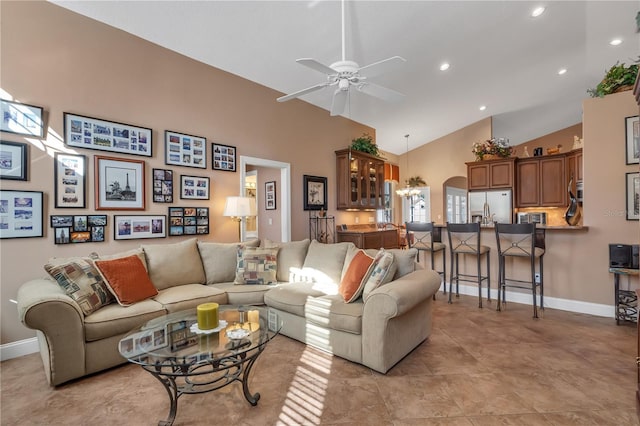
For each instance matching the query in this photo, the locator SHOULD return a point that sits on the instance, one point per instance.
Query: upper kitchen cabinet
(574, 168)
(360, 180)
(490, 174)
(540, 182)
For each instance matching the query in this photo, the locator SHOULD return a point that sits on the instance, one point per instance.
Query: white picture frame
(133, 227)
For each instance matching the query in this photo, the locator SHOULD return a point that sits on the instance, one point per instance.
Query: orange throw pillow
(352, 283)
(127, 279)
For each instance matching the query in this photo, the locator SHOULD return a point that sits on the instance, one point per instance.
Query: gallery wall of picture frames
(70, 229)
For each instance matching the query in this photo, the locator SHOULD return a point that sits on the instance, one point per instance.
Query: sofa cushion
(219, 260)
(353, 281)
(174, 264)
(188, 296)
(256, 265)
(331, 311)
(81, 281)
(244, 294)
(114, 319)
(405, 261)
(290, 255)
(292, 297)
(381, 272)
(326, 261)
(127, 279)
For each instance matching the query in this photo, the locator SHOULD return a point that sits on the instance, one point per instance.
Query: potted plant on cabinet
(618, 79)
(365, 144)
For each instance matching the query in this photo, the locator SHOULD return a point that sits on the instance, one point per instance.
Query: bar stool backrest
(420, 235)
(464, 237)
(520, 239)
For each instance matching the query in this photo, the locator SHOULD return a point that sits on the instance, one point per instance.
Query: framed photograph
(70, 180)
(78, 228)
(632, 127)
(315, 192)
(139, 226)
(188, 221)
(162, 186)
(21, 214)
(22, 119)
(13, 160)
(185, 150)
(633, 196)
(194, 187)
(93, 133)
(119, 184)
(224, 157)
(270, 195)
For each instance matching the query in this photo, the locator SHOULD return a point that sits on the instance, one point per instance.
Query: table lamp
(238, 208)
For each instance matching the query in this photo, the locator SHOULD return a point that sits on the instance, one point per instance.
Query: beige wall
(68, 63)
(562, 137)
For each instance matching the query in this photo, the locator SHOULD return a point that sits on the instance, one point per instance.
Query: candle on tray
(207, 316)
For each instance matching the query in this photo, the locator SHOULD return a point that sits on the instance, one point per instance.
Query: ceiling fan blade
(315, 65)
(302, 92)
(380, 92)
(339, 102)
(381, 67)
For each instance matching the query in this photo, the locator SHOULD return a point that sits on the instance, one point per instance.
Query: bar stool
(426, 237)
(464, 239)
(521, 241)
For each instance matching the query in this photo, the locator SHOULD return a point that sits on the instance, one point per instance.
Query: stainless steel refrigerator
(497, 204)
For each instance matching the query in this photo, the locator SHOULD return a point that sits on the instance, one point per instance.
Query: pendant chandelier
(407, 191)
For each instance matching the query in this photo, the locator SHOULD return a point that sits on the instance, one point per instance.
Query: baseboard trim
(29, 346)
(19, 348)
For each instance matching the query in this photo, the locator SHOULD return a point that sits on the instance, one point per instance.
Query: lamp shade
(391, 172)
(240, 207)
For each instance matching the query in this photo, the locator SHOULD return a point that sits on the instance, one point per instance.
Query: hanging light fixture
(407, 191)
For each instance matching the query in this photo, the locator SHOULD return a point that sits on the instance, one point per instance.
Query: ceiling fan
(346, 74)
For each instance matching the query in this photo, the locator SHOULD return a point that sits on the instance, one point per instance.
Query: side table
(625, 301)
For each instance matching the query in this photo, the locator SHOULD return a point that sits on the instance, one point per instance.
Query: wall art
(93, 133)
(13, 160)
(188, 221)
(119, 184)
(162, 186)
(139, 226)
(21, 214)
(270, 195)
(315, 192)
(185, 150)
(632, 131)
(633, 196)
(70, 180)
(78, 228)
(224, 157)
(194, 187)
(22, 119)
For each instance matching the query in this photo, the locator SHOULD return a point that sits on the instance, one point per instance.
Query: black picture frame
(14, 160)
(632, 139)
(181, 149)
(72, 229)
(195, 187)
(128, 174)
(633, 195)
(93, 133)
(21, 119)
(314, 192)
(21, 214)
(223, 157)
(188, 221)
(162, 186)
(70, 180)
(270, 202)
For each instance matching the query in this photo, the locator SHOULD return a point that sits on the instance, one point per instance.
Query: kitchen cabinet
(574, 168)
(365, 239)
(540, 182)
(490, 174)
(360, 180)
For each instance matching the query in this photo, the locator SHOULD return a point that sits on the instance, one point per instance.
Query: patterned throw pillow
(127, 279)
(381, 272)
(81, 281)
(256, 265)
(353, 281)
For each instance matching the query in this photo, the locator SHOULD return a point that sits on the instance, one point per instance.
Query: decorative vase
(491, 157)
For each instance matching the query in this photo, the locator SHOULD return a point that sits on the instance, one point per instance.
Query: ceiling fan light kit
(346, 74)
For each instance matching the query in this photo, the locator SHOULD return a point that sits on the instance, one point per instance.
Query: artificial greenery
(499, 147)
(414, 181)
(364, 144)
(618, 76)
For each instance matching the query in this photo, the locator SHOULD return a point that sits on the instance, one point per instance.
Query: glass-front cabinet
(360, 179)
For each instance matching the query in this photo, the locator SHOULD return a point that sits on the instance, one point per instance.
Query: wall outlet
(357, 219)
(537, 278)
(370, 219)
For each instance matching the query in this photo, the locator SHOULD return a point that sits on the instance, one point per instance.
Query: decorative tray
(222, 324)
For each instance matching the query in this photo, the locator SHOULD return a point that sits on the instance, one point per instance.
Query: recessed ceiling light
(615, 41)
(483, 107)
(445, 66)
(562, 71)
(537, 11)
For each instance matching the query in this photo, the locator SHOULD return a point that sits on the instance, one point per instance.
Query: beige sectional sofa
(376, 331)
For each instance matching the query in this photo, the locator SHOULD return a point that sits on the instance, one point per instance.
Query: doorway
(251, 190)
(285, 192)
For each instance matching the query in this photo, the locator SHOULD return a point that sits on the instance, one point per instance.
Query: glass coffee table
(187, 360)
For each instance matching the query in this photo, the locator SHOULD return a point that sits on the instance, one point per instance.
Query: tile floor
(480, 367)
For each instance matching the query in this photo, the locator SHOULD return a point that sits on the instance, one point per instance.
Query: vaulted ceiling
(499, 55)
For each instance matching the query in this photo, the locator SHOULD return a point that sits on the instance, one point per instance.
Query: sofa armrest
(44, 306)
(401, 295)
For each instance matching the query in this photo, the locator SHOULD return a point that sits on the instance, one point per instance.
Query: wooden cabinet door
(553, 189)
(527, 188)
(478, 176)
(343, 181)
(573, 166)
(501, 175)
